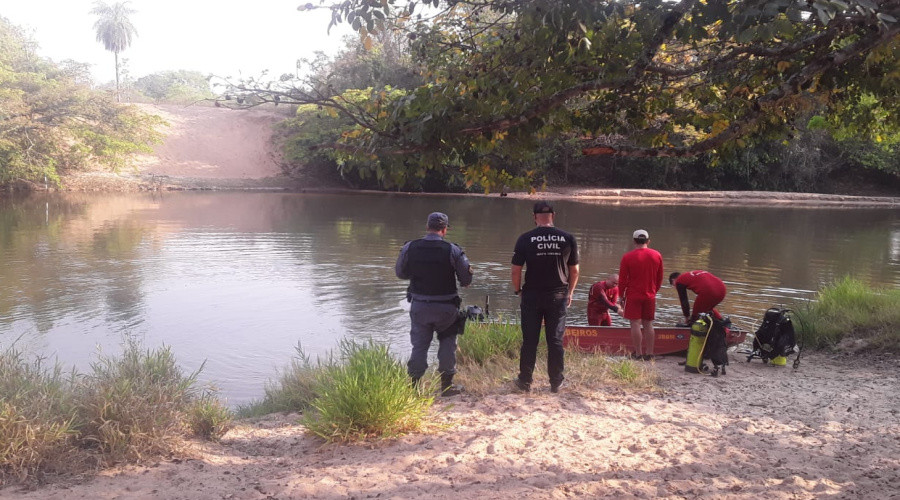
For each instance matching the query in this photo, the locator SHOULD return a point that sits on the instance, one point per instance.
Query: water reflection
(238, 279)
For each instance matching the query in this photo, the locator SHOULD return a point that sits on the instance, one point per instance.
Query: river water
(238, 279)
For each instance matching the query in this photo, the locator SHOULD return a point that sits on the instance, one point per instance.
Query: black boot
(447, 387)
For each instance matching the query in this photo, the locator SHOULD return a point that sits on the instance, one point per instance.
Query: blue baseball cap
(438, 221)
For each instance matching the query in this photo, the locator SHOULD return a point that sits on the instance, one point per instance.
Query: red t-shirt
(701, 283)
(640, 273)
(599, 292)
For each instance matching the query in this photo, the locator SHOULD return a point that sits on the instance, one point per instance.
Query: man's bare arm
(573, 280)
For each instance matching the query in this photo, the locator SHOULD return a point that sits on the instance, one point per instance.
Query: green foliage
(37, 417)
(385, 64)
(135, 404)
(865, 133)
(808, 159)
(182, 87)
(295, 390)
(209, 418)
(625, 370)
(672, 79)
(51, 123)
(367, 395)
(486, 342)
(128, 408)
(301, 135)
(850, 309)
(306, 141)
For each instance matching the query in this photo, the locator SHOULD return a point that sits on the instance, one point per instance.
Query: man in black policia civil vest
(550, 258)
(432, 267)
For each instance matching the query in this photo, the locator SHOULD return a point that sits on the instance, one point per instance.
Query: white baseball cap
(640, 233)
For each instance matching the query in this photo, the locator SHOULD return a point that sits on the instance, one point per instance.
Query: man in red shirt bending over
(709, 289)
(640, 278)
(603, 297)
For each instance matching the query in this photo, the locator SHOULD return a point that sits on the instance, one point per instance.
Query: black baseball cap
(543, 207)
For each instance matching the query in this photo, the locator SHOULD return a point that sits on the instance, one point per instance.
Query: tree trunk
(118, 98)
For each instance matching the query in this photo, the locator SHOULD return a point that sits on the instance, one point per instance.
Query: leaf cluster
(675, 79)
(175, 86)
(52, 122)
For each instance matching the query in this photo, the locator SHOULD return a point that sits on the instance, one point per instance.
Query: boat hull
(617, 339)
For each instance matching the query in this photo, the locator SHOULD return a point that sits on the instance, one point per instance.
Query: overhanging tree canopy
(632, 78)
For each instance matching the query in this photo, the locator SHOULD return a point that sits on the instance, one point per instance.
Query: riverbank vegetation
(488, 360)
(52, 122)
(364, 392)
(173, 87)
(478, 95)
(361, 391)
(139, 405)
(126, 409)
(850, 311)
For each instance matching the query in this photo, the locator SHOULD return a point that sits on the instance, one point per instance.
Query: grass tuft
(37, 418)
(366, 394)
(133, 406)
(850, 309)
(488, 342)
(141, 405)
(126, 409)
(489, 357)
(209, 418)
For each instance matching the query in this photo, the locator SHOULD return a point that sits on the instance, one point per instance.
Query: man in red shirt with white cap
(640, 278)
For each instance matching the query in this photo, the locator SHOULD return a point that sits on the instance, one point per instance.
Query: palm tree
(114, 29)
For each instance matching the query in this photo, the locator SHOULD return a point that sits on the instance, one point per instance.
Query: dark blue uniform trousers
(428, 318)
(549, 308)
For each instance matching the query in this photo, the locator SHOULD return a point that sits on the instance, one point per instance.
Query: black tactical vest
(429, 268)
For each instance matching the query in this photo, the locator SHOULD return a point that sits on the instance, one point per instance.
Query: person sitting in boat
(603, 297)
(710, 292)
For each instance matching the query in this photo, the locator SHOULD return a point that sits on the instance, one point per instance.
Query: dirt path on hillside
(827, 430)
(205, 143)
(205, 147)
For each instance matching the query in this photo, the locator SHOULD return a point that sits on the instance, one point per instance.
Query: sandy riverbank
(830, 429)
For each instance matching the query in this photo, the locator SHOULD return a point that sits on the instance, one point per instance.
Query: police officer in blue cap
(433, 266)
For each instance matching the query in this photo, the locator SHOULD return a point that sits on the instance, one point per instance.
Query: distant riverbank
(209, 148)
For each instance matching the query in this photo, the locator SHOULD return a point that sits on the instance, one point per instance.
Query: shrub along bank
(128, 408)
(849, 309)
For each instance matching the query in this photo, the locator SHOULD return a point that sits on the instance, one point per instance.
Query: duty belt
(455, 301)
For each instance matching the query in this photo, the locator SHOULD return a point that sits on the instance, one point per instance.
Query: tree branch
(662, 34)
(791, 86)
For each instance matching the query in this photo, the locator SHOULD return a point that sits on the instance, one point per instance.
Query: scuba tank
(699, 331)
